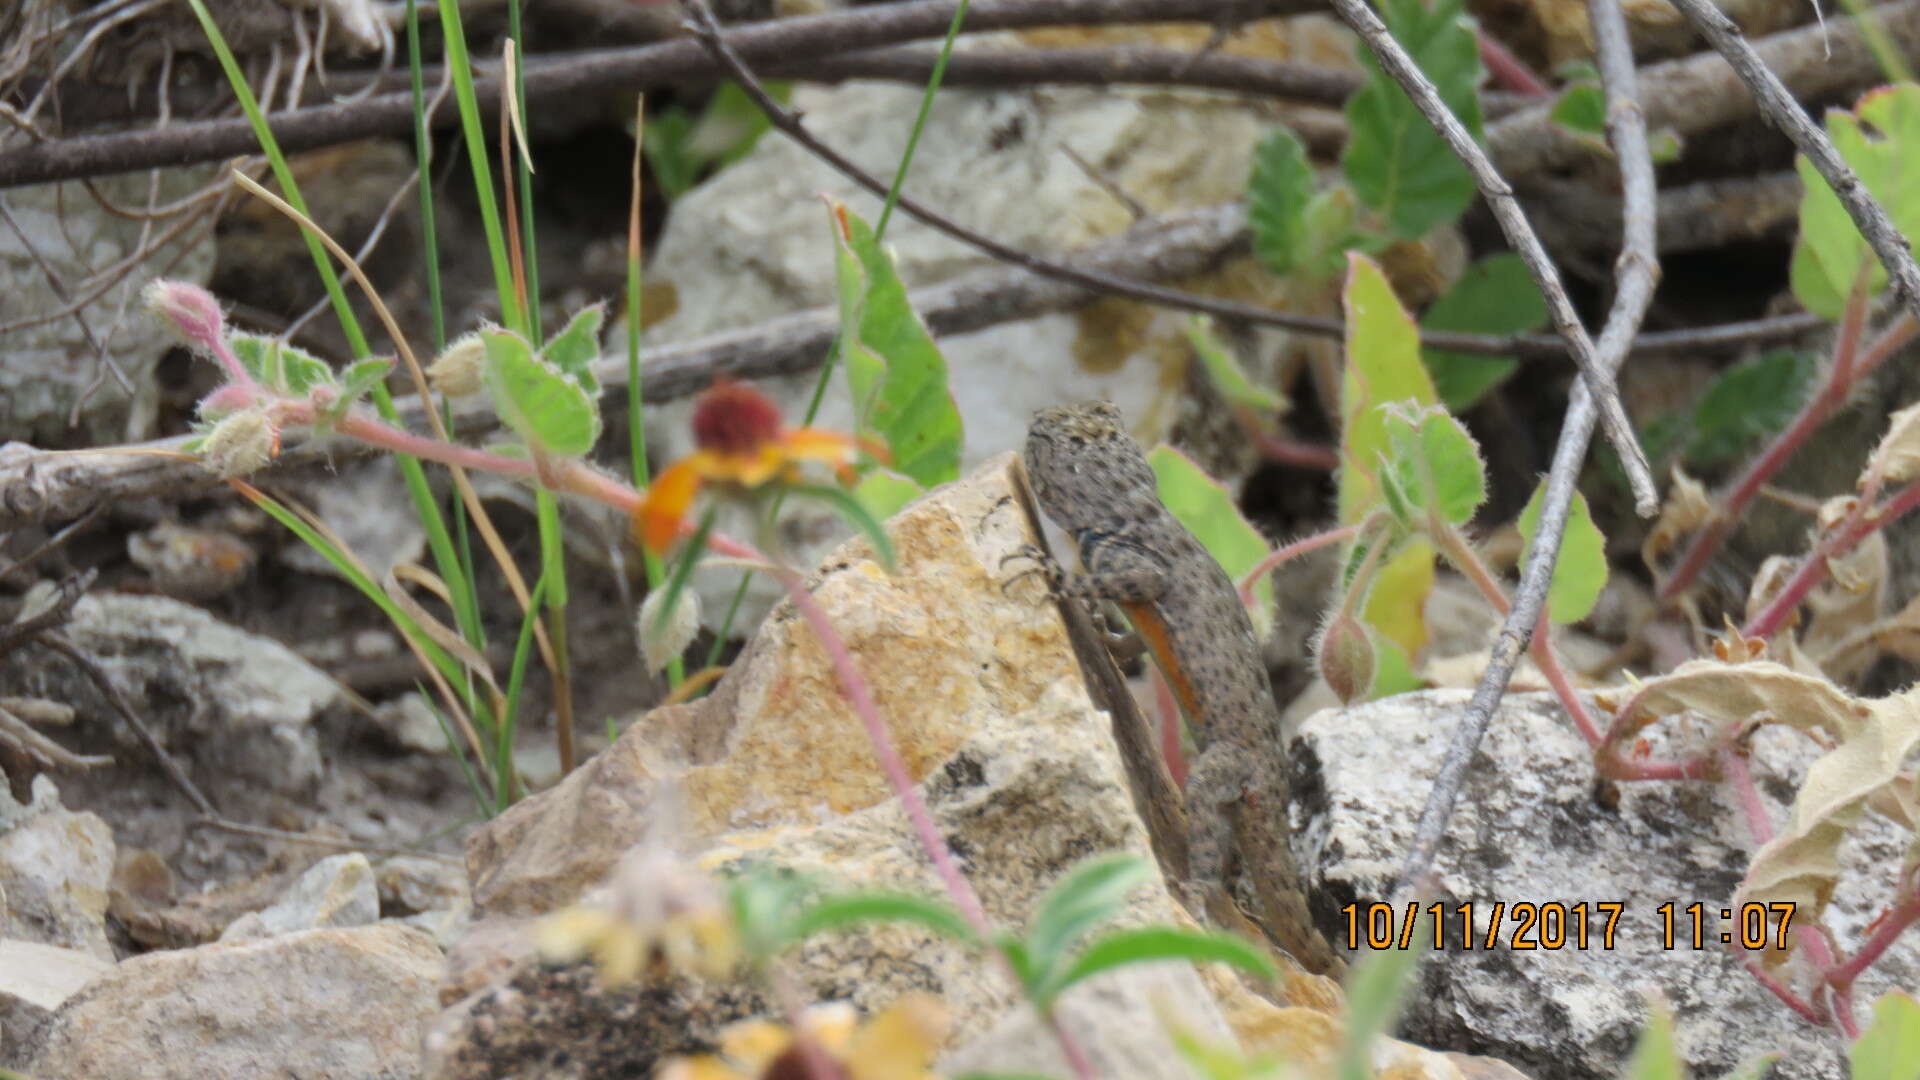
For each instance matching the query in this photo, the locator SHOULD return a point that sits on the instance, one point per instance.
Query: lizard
(1093, 480)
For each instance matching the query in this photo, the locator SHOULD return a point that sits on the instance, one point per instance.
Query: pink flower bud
(189, 309)
(1346, 659)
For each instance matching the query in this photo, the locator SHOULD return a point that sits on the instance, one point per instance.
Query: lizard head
(1082, 462)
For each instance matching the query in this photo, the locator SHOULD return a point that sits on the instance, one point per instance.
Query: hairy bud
(661, 642)
(188, 310)
(242, 443)
(1346, 660)
(457, 372)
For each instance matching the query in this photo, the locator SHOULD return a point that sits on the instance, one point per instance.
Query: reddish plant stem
(1814, 568)
(1461, 554)
(1886, 929)
(1808, 1011)
(1733, 766)
(1294, 550)
(1846, 371)
(1507, 69)
(854, 686)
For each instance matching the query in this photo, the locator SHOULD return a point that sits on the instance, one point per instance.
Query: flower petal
(657, 520)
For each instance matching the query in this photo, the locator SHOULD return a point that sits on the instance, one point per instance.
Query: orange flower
(741, 440)
(896, 1044)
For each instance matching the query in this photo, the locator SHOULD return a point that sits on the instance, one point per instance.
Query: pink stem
(1301, 455)
(1886, 929)
(1813, 569)
(1507, 69)
(1844, 373)
(854, 686)
(1293, 550)
(1812, 1014)
(1733, 766)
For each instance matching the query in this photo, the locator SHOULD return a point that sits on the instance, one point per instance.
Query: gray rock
(336, 891)
(55, 868)
(53, 365)
(1530, 828)
(34, 981)
(236, 707)
(345, 1004)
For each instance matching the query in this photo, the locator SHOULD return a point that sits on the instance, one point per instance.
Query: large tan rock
(949, 653)
(35, 980)
(55, 865)
(343, 1004)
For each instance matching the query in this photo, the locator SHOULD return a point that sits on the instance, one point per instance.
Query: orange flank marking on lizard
(1153, 633)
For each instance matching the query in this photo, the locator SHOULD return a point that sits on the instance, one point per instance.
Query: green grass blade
(476, 143)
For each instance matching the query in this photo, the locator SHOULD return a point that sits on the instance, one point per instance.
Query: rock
(366, 503)
(411, 884)
(53, 365)
(34, 980)
(337, 891)
(983, 697)
(244, 705)
(1529, 828)
(55, 869)
(343, 1004)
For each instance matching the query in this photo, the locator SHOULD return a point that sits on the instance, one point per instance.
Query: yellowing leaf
(1207, 510)
(1383, 365)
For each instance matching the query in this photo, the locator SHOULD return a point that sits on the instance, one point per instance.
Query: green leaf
(1375, 989)
(1747, 403)
(731, 123)
(1436, 462)
(358, 378)
(675, 170)
(1654, 1056)
(1277, 196)
(286, 370)
(574, 349)
(1396, 162)
(1223, 372)
(883, 492)
(1207, 510)
(1383, 365)
(1495, 296)
(1392, 672)
(1148, 944)
(1581, 110)
(856, 514)
(908, 404)
(1581, 570)
(1880, 139)
(1890, 1047)
(839, 912)
(547, 407)
(1091, 893)
(768, 902)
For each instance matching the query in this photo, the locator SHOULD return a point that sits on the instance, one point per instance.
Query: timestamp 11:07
(1554, 925)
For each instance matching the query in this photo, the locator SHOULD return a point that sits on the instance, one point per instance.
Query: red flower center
(734, 420)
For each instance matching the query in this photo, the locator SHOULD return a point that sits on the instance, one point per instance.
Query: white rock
(34, 981)
(336, 891)
(55, 866)
(345, 1004)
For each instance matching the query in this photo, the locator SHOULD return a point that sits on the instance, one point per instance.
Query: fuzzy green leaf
(909, 405)
(574, 349)
(1396, 162)
(1375, 990)
(288, 371)
(1383, 365)
(1277, 197)
(360, 377)
(1207, 510)
(1436, 463)
(1581, 570)
(1495, 296)
(547, 407)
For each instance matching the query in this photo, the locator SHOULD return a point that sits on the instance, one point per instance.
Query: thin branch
(1779, 106)
(1637, 271)
(104, 682)
(1513, 222)
(1700, 92)
(587, 75)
